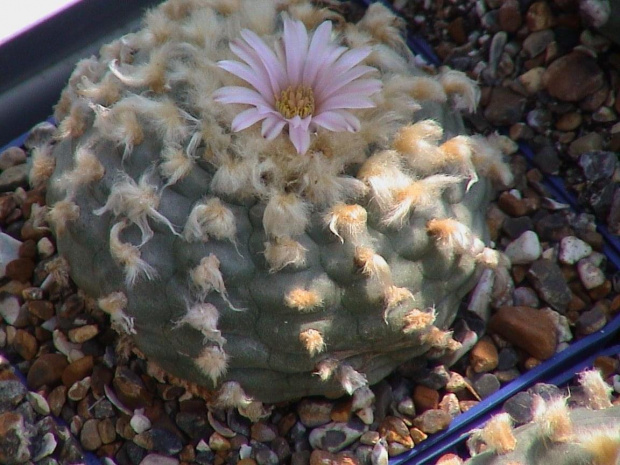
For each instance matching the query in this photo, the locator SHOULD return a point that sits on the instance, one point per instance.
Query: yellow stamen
(296, 101)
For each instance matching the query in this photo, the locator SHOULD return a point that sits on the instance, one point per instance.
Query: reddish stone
(46, 370)
(528, 328)
(20, 269)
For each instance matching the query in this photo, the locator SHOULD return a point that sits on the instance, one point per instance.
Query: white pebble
(524, 249)
(45, 248)
(9, 251)
(573, 249)
(362, 397)
(140, 422)
(591, 276)
(9, 308)
(156, 459)
(366, 414)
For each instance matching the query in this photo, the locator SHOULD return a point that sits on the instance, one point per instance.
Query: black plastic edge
(36, 64)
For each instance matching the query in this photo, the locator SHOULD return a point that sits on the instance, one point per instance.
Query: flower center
(295, 101)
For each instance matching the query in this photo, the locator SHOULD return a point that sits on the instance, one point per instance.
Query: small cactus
(269, 200)
(559, 434)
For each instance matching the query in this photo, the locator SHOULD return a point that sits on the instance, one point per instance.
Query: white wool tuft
(350, 379)
(286, 215)
(284, 251)
(210, 217)
(213, 362)
(136, 201)
(203, 317)
(129, 257)
(312, 340)
(464, 91)
(61, 213)
(347, 221)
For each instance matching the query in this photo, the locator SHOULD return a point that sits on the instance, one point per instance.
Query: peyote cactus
(559, 433)
(309, 254)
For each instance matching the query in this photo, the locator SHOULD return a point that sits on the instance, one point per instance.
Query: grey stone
(335, 436)
(549, 282)
(519, 407)
(14, 177)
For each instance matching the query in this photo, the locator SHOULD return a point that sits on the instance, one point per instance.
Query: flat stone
(217, 442)
(130, 389)
(78, 370)
(12, 156)
(14, 177)
(263, 432)
(591, 321)
(333, 437)
(548, 280)
(159, 440)
(57, 398)
(79, 389)
(537, 42)
(20, 269)
(89, 435)
(83, 333)
(42, 309)
(569, 121)
(157, 459)
(314, 412)
(531, 80)
(519, 407)
(573, 77)
(486, 384)
(432, 421)
(589, 142)
(25, 344)
(505, 107)
(46, 370)
(45, 447)
(524, 249)
(425, 398)
(527, 328)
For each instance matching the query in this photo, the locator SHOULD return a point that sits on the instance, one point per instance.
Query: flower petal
(272, 126)
(273, 66)
(337, 121)
(346, 100)
(238, 94)
(262, 78)
(317, 52)
(295, 41)
(299, 133)
(249, 75)
(330, 84)
(247, 118)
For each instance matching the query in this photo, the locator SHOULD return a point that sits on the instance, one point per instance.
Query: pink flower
(304, 84)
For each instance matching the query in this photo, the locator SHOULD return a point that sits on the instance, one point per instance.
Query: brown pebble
(89, 436)
(78, 370)
(527, 328)
(505, 107)
(517, 207)
(432, 421)
(42, 309)
(573, 77)
(246, 461)
(483, 356)
(262, 432)
(539, 17)
(7, 206)
(286, 423)
(130, 389)
(82, 333)
(314, 412)
(509, 16)
(20, 269)
(321, 457)
(457, 31)
(28, 249)
(341, 411)
(57, 398)
(46, 370)
(465, 405)
(569, 121)
(393, 429)
(25, 344)
(107, 430)
(425, 398)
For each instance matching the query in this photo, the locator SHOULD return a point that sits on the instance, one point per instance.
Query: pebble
(10, 308)
(46, 370)
(486, 384)
(13, 177)
(532, 80)
(519, 407)
(12, 156)
(484, 356)
(505, 107)
(548, 280)
(573, 249)
(590, 275)
(140, 422)
(425, 398)
(537, 42)
(38, 402)
(598, 165)
(9, 251)
(527, 328)
(333, 437)
(14, 439)
(524, 249)
(157, 459)
(573, 77)
(12, 392)
(432, 421)
(314, 412)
